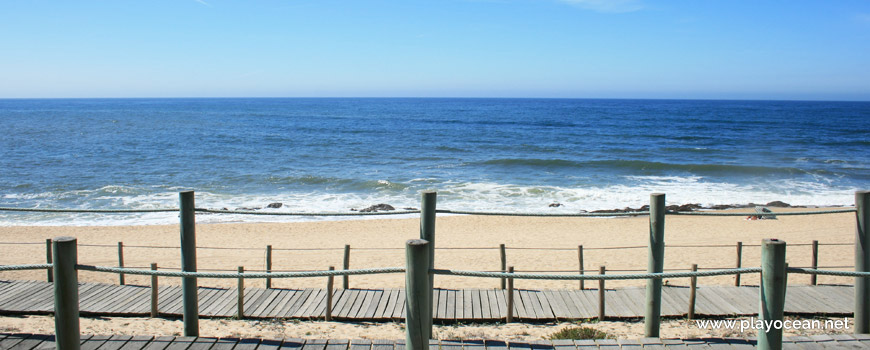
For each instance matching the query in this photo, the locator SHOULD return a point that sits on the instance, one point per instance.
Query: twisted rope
(89, 210)
(828, 272)
(488, 213)
(242, 275)
(247, 212)
(25, 267)
(709, 213)
(596, 277)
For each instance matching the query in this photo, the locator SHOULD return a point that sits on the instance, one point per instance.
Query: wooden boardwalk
(96, 299)
(125, 342)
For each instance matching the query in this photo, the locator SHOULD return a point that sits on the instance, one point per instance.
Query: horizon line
(430, 97)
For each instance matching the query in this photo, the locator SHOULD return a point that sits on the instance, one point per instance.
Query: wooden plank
(368, 297)
(228, 305)
(381, 344)
(212, 306)
(468, 301)
(386, 312)
(306, 308)
(313, 344)
(360, 344)
(485, 310)
(224, 344)
(571, 310)
(285, 298)
(348, 298)
(337, 344)
(532, 304)
(361, 299)
(200, 343)
(15, 291)
(92, 300)
(169, 298)
(246, 344)
(137, 342)
(450, 311)
(115, 342)
(501, 299)
(494, 312)
(382, 304)
(560, 307)
(519, 307)
(180, 343)
(32, 341)
(369, 314)
(293, 311)
(476, 310)
(138, 295)
(30, 302)
(158, 343)
(545, 306)
(400, 305)
(270, 296)
(269, 344)
(459, 305)
(440, 304)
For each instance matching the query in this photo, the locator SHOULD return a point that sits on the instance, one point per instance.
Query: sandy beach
(379, 243)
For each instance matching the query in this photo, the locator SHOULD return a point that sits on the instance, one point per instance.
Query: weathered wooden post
(48, 259)
(656, 253)
(240, 303)
(601, 271)
(269, 266)
(510, 296)
(418, 312)
(330, 280)
(503, 256)
(121, 262)
(154, 295)
(815, 262)
(580, 257)
(772, 293)
(346, 265)
(739, 263)
(862, 262)
(427, 232)
(187, 215)
(66, 293)
(693, 283)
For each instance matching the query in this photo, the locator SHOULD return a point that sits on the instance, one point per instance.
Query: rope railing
(25, 267)
(596, 277)
(303, 274)
(441, 211)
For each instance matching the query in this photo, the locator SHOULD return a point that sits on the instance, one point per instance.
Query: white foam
(631, 191)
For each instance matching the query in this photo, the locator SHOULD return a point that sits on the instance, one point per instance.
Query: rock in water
(555, 205)
(778, 204)
(376, 208)
(275, 205)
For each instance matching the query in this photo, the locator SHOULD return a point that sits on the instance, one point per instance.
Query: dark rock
(555, 205)
(353, 209)
(721, 207)
(275, 205)
(376, 208)
(689, 207)
(410, 208)
(778, 204)
(645, 207)
(248, 209)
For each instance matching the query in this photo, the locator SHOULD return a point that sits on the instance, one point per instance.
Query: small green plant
(578, 333)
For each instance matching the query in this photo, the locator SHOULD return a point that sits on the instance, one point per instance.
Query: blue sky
(817, 50)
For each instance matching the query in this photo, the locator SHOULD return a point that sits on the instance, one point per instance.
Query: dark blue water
(482, 154)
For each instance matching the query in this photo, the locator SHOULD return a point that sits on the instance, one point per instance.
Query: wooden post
(418, 312)
(580, 257)
(189, 290)
(66, 293)
(121, 262)
(48, 259)
(427, 232)
(739, 263)
(240, 308)
(655, 264)
(601, 315)
(510, 296)
(772, 293)
(862, 262)
(346, 265)
(269, 266)
(815, 262)
(329, 284)
(693, 283)
(154, 289)
(503, 256)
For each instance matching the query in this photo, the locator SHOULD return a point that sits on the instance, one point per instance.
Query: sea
(344, 154)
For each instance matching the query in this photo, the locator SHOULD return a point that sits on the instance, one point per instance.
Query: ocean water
(515, 155)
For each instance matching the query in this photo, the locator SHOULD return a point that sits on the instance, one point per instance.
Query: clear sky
(690, 49)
